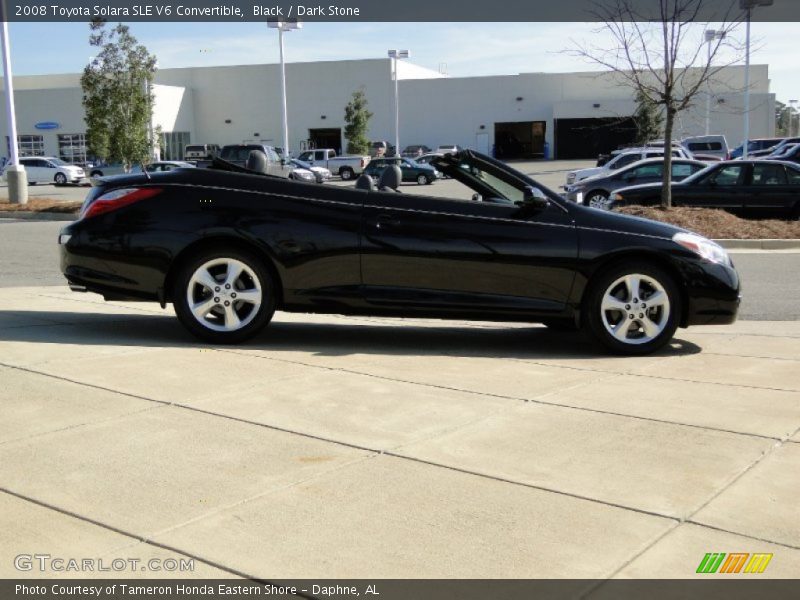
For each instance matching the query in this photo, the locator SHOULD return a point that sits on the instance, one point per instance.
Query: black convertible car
(748, 188)
(229, 247)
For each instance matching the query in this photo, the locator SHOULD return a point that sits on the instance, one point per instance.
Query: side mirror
(533, 200)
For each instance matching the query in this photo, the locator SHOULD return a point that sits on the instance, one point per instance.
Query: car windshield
(300, 163)
(494, 181)
(58, 162)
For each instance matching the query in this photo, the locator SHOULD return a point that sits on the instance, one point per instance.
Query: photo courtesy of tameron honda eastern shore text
(230, 245)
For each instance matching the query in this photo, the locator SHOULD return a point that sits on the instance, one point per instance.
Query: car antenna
(144, 170)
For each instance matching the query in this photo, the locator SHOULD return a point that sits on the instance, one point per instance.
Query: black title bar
(378, 10)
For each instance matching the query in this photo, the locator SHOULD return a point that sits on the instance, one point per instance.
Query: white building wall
(433, 109)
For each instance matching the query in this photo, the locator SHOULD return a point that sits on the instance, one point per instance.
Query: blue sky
(465, 48)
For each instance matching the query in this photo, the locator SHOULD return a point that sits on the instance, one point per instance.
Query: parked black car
(595, 191)
(757, 188)
(228, 248)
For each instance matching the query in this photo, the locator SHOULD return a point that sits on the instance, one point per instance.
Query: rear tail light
(116, 199)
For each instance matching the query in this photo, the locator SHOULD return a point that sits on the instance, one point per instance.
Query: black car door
(435, 253)
(768, 192)
(722, 187)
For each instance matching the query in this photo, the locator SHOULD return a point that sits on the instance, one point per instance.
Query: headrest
(365, 183)
(257, 161)
(391, 177)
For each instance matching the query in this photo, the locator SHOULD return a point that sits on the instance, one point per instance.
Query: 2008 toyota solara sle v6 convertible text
(228, 246)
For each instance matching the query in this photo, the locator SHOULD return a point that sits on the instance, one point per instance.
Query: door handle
(384, 220)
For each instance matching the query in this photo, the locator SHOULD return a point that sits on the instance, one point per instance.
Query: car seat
(390, 179)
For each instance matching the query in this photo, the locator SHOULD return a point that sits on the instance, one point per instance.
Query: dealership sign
(48, 125)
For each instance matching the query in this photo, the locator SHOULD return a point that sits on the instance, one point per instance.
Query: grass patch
(44, 205)
(717, 224)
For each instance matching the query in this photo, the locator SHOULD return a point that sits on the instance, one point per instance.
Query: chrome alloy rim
(224, 294)
(635, 309)
(599, 201)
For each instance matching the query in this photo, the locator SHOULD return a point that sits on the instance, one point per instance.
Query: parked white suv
(623, 159)
(48, 169)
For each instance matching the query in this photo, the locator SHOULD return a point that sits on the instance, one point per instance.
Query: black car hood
(593, 218)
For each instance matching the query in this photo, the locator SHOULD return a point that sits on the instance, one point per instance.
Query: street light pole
(394, 55)
(748, 6)
(15, 173)
(284, 26)
(711, 35)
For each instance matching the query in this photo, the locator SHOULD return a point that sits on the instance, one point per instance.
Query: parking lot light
(284, 26)
(748, 6)
(15, 173)
(711, 35)
(394, 55)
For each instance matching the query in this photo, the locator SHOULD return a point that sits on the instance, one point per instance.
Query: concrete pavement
(365, 447)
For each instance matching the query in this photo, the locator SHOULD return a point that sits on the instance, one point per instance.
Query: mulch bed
(718, 224)
(44, 205)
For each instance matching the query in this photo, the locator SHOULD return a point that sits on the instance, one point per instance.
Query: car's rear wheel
(633, 308)
(96, 174)
(346, 173)
(60, 179)
(423, 179)
(597, 199)
(224, 296)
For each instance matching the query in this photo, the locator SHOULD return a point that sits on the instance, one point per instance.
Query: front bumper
(714, 295)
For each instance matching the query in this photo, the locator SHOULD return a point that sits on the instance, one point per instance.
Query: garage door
(586, 138)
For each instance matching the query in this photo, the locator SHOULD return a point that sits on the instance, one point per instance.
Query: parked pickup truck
(347, 167)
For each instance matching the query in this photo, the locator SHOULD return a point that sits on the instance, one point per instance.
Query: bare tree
(659, 49)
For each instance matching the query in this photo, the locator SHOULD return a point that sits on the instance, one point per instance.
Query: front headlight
(703, 247)
(307, 175)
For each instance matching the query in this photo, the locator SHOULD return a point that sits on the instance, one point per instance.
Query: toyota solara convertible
(228, 246)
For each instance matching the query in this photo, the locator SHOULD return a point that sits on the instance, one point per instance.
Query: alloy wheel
(598, 201)
(635, 309)
(224, 294)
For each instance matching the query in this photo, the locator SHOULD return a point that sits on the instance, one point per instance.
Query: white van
(707, 145)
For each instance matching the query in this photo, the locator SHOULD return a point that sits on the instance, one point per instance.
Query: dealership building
(529, 115)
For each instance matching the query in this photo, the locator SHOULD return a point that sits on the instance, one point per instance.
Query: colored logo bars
(736, 562)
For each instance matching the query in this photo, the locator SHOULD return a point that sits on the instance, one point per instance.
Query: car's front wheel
(598, 199)
(60, 179)
(423, 179)
(633, 308)
(224, 296)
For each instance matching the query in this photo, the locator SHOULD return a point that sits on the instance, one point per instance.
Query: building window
(173, 144)
(29, 145)
(72, 148)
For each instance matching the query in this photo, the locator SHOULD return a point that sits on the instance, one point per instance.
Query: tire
(96, 174)
(624, 322)
(346, 173)
(423, 179)
(211, 320)
(60, 179)
(597, 199)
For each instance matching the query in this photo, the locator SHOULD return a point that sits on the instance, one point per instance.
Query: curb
(36, 216)
(760, 244)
